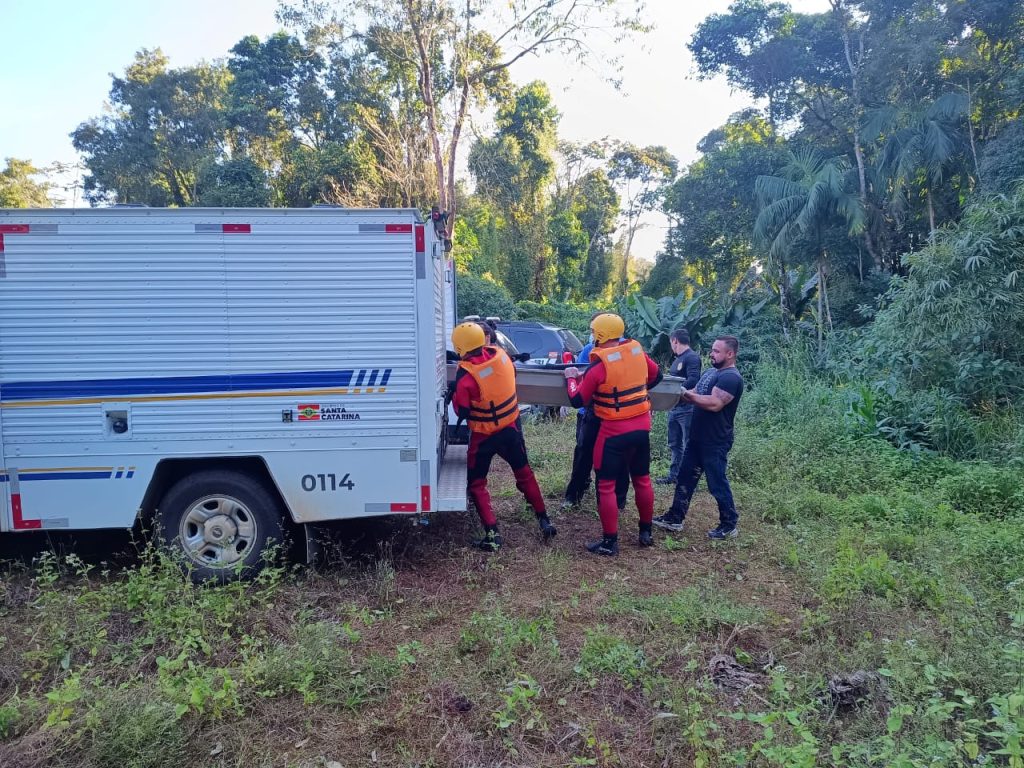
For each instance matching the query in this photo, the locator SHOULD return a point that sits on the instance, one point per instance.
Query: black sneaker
(547, 530)
(568, 504)
(723, 533)
(666, 480)
(606, 545)
(668, 522)
(491, 542)
(646, 538)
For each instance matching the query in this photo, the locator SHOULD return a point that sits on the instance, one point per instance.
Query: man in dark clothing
(685, 366)
(715, 399)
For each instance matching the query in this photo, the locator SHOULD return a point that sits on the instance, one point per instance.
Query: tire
(219, 523)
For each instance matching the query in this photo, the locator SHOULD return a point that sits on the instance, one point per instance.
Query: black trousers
(711, 461)
(587, 427)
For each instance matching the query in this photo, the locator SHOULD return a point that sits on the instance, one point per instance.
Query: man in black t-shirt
(715, 399)
(685, 366)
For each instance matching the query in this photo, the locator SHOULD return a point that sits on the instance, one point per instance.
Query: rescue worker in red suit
(616, 383)
(485, 396)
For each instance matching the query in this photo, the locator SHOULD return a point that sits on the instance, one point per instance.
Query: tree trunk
(821, 310)
(858, 151)
(177, 192)
(783, 289)
(824, 290)
(625, 257)
(970, 132)
(931, 214)
(452, 149)
(460, 117)
(426, 85)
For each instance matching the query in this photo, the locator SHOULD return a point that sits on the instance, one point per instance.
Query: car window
(506, 343)
(527, 341)
(551, 346)
(572, 343)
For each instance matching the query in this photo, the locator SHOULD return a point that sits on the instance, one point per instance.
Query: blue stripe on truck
(67, 475)
(118, 388)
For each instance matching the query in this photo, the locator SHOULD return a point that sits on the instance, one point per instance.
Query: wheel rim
(217, 531)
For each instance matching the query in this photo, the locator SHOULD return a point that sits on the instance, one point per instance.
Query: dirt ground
(539, 655)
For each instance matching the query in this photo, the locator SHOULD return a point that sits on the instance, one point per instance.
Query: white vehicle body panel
(310, 340)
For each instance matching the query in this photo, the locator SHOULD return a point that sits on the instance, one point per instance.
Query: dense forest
(868, 203)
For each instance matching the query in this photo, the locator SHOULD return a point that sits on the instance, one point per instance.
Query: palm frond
(949, 107)
(849, 207)
(877, 123)
(772, 218)
(910, 158)
(937, 147)
(768, 189)
(803, 164)
(780, 245)
(820, 198)
(893, 151)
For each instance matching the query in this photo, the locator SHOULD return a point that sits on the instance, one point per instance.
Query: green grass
(854, 556)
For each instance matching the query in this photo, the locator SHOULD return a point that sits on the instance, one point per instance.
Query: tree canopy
(19, 187)
(875, 127)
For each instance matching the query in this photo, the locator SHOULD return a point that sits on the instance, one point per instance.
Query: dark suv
(500, 339)
(544, 343)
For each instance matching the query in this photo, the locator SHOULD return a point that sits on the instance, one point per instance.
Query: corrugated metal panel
(286, 286)
(98, 305)
(37, 424)
(449, 307)
(439, 322)
(147, 295)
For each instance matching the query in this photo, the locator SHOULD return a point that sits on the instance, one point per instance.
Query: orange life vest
(497, 406)
(623, 394)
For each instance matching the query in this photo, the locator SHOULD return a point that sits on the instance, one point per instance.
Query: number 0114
(328, 482)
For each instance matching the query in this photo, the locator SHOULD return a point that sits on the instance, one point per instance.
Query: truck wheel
(221, 522)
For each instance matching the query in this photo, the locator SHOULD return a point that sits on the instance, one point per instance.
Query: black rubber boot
(646, 537)
(491, 542)
(607, 545)
(547, 530)
(669, 522)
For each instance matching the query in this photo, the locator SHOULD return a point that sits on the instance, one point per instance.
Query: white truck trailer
(221, 371)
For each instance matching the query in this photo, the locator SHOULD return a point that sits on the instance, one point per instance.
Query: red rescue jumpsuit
(485, 396)
(616, 383)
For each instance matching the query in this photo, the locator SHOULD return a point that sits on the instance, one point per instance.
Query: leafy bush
(651, 321)
(953, 323)
(575, 317)
(874, 573)
(985, 490)
(12, 712)
(480, 296)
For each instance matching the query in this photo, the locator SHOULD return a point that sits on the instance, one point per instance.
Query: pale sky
(58, 55)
